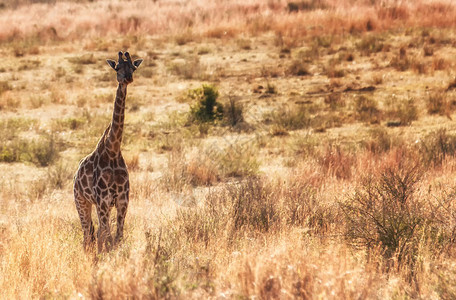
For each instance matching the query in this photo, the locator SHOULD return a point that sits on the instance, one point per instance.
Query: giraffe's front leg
(104, 230)
(121, 207)
(84, 209)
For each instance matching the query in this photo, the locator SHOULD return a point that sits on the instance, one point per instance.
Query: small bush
(233, 112)
(300, 206)
(205, 107)
(43, 151)
(253, 207)
(438, 103)
(244, 44)
(380, 141)
(184, 38)
(335, 101)
(290, 118)
(437, 146)
(70, 123)
(236, 160)
(367, 110)
(146, 72)
(304, 5)
(4, 86)
(333, 71)
(298, 68)
(59, 175)
(85, 59)
(337, 162)
(403, 112)
(190, 68)
(386, 212)
(370, 44)
(439, 64)
(401, 62)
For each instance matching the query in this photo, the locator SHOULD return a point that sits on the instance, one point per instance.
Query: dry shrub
(367, 110)
(233, 113)
(370, 44)
(59, 175)
(202, 171)
(401, 61)
(419, 66)
(439, 64)
(437, 146)
(386, 211)
(335, 100)
(438, 103)
(402, 113)
(337, 162)
(393, 12)
(380, 141)
(306, 5)
(190, 68)
(236, 160)
(298, 68)
(290, 118)
(333, 71)
(253, 207)
(183, 173)
(132, 162)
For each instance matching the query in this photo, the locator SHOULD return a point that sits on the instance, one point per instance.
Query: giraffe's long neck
(115, 133)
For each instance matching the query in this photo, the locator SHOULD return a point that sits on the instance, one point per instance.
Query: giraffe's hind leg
(84, 208)
(104, 230)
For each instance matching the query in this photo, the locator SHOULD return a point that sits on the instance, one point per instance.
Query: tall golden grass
(303, 209)
(73, 20)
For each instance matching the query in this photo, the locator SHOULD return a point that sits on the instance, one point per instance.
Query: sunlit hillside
(325, 170)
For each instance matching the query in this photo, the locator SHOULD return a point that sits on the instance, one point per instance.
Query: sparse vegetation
(438, 103)
(367, 110)
(276, 149)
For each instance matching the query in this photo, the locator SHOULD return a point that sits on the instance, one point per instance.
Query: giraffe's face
(124, 68)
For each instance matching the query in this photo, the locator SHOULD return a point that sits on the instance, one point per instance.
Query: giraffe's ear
(137, 62)
(111, 63)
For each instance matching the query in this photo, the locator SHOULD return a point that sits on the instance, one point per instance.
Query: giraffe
(102, 177)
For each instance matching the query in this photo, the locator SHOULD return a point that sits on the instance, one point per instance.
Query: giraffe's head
(124, 68)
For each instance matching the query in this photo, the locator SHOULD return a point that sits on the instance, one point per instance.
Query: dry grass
(326, 170)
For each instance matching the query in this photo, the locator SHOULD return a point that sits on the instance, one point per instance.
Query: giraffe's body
(102, 177)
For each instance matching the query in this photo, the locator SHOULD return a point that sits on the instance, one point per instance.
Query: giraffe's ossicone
(102, 177)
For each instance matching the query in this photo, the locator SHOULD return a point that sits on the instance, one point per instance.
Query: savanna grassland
(276, 149)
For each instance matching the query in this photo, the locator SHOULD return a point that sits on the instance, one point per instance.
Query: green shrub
(205, 107)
